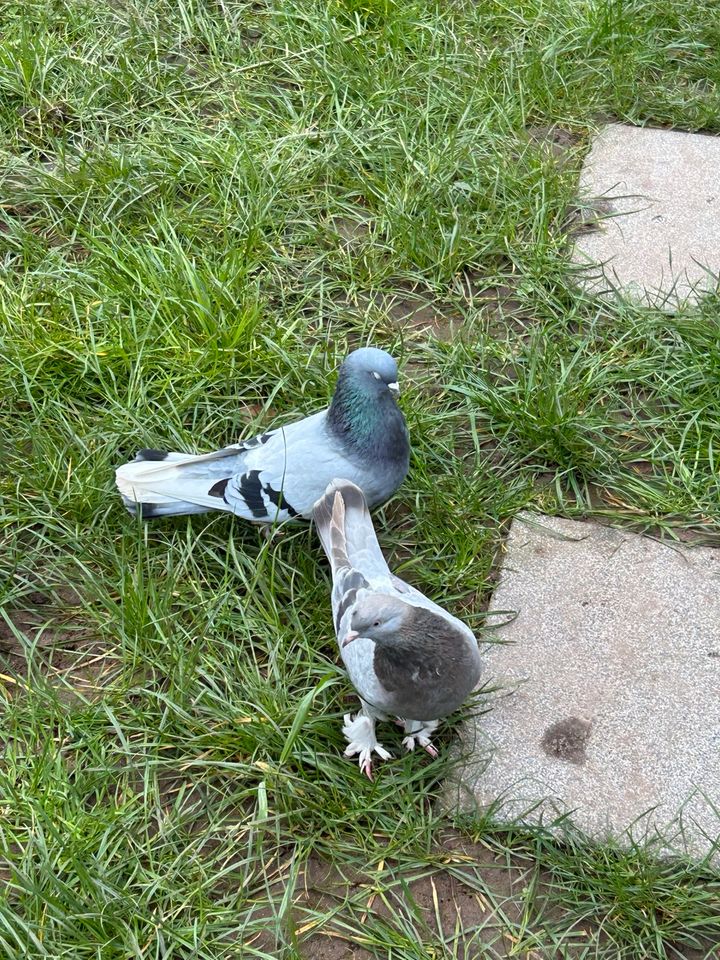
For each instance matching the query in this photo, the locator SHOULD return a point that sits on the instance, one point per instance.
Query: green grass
(202, 206)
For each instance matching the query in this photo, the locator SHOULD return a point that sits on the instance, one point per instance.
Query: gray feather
(279, 474)
(429, 662)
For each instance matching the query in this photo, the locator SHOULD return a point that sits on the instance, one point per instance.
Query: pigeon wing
(269, 478)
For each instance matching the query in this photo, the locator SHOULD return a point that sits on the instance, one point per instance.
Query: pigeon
(406, 656)
(280, 474)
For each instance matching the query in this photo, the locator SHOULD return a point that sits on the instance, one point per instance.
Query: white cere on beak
(394, 387)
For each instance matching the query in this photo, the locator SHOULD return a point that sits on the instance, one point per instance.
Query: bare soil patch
(63, 645)
(466, 901)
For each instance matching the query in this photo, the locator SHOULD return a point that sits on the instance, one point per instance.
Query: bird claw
(424, 742)
(409, 741)
(271, 531)
(418, 733)
(359, 731)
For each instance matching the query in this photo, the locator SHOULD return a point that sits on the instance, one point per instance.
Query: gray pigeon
(280, 474)
(406, 656)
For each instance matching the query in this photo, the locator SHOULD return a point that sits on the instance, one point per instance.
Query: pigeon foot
(418, 733)
(271, 531)
(359, 731)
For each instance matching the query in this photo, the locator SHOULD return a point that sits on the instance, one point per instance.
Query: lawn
(203, 206)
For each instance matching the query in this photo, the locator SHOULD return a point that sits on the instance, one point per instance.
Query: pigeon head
(376, 367)
(364, 415)
(426, 662)
(378, 617)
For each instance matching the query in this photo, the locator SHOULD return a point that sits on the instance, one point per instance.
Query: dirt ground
(68, 655)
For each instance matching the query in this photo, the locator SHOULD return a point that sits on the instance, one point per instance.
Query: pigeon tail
(329, 516)
(158, 483)
(346, 529)
(148, 511)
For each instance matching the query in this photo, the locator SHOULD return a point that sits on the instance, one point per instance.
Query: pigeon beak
(352, 635)
(394, 387)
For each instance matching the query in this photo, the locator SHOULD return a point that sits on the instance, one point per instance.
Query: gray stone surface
(658, 239)
(609, 687)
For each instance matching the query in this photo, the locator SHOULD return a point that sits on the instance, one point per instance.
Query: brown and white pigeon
(406, 656)
(280, 474)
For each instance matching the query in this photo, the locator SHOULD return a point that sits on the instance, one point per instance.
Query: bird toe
(415, 740)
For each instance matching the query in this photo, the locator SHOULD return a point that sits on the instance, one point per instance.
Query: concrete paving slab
(658, 237)
(609, 687)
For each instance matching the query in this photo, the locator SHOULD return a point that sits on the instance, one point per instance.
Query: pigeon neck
(367, 418)
(425, 635)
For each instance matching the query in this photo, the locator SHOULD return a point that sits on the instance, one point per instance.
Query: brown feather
(329, 516)
(429, 667)
(338, 540)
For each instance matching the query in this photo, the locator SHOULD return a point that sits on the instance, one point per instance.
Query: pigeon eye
(376, 374)
(376, 623)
